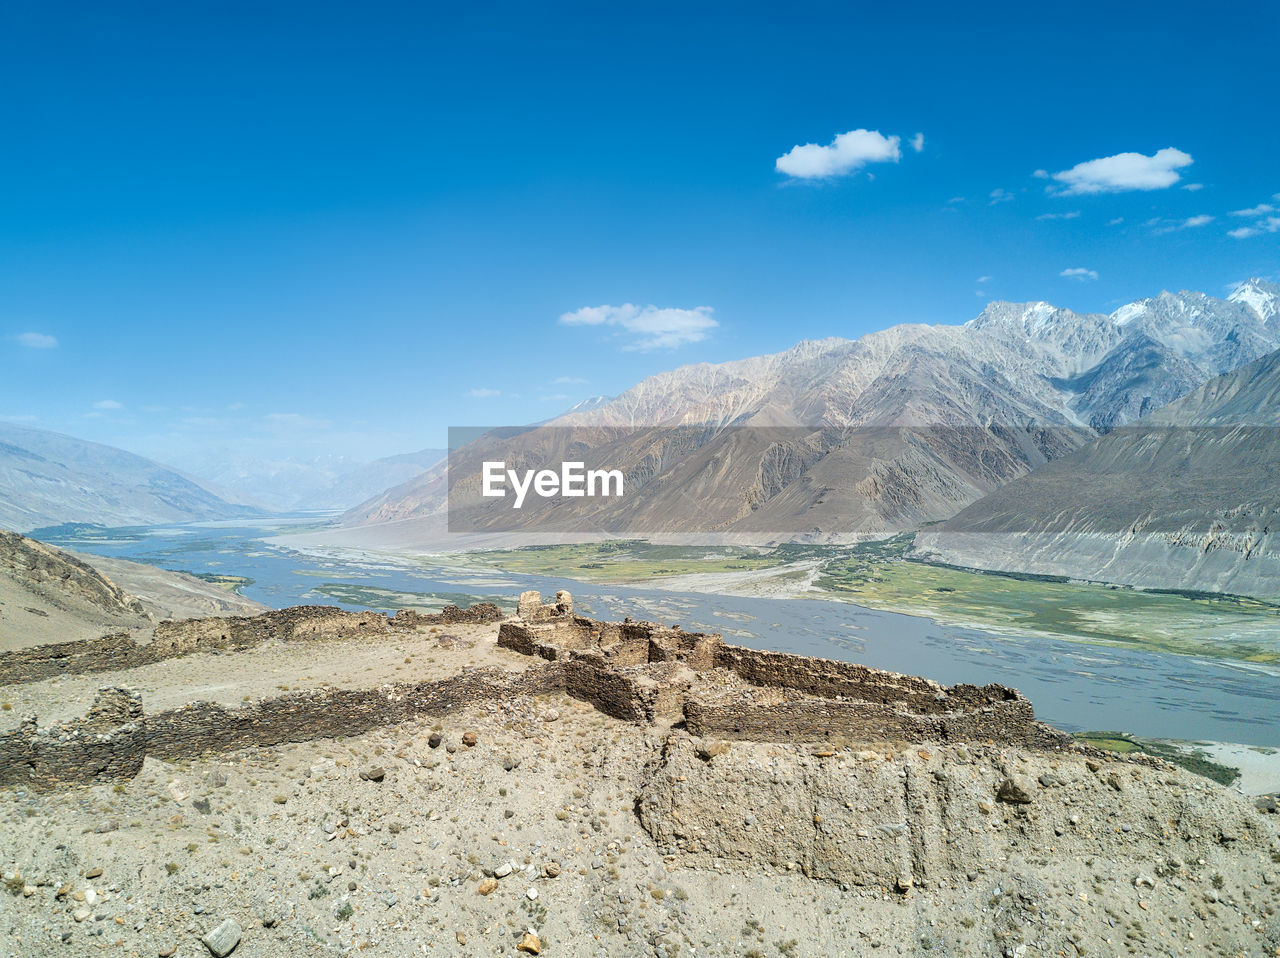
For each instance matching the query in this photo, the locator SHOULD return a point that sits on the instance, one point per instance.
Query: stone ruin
(644, 672)
(634, 671)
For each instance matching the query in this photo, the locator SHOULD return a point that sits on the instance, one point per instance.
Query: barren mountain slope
(1187, 498)
(50, 595)
(47, 478)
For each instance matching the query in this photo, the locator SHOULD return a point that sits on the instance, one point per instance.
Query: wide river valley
(1073, 685)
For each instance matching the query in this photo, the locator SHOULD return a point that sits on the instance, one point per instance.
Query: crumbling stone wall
(634, 671)
(183, 637)
(112, 740)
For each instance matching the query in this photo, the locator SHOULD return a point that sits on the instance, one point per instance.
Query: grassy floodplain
(879, 575)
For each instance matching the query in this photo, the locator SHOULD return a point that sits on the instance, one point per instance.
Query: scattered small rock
(374, 774)
(488, 886)
(95, 872)
(469, 739)
(222, 940)
(1015, 791)
(530, 944)
(435, 740)
(709, 750)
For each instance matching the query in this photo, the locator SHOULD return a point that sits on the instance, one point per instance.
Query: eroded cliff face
(892, 814)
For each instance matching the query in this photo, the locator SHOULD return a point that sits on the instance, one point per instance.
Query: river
(1074, 686)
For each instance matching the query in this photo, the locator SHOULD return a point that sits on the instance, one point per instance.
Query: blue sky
(342, 228)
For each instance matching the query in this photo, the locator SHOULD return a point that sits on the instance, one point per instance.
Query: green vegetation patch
(232, 583)
(391, 600)
(1210, 625)
(628, 560)
(1189, 758)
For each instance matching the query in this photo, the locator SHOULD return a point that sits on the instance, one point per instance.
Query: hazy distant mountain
(47, 478)
(877, 461)
(1187, 498)
(326, 482)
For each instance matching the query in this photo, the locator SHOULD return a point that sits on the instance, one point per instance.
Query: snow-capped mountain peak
(1260, 296)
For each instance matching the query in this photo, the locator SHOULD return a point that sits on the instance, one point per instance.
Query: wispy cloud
(917, 142)
(483, 392)
(37, 340)
(999, 195)
(1259, 210)
(1074, 214)
(555, 397)
(1193, 187)
(1265, 220)
(983, 279)
(1270, 224)
(108, 404)
(1160, 227)
(1121, 173)
(569, 381)
(651, 327)
(1080, 274)
(847, 153)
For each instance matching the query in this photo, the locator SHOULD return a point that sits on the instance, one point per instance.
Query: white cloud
(847, 153)
(1080, 273)
(999, 195)
(917, 142)
(984, 279)
(1260, 210)
(1173, 226)
(1193, 187)
(1115, 222)
(481, 392)
(955, 199)
(569, 381)
(1270, 224)
(555, 397)
(1074, 214)
(108, 404)
(1041, 174)
(1123, 172)
(37, 340)
(653, 327)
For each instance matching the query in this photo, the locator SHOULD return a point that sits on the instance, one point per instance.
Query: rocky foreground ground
(539, 825)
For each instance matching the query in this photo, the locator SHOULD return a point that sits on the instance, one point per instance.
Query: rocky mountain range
(851, 438)
(47, 478)
(1187, 498)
